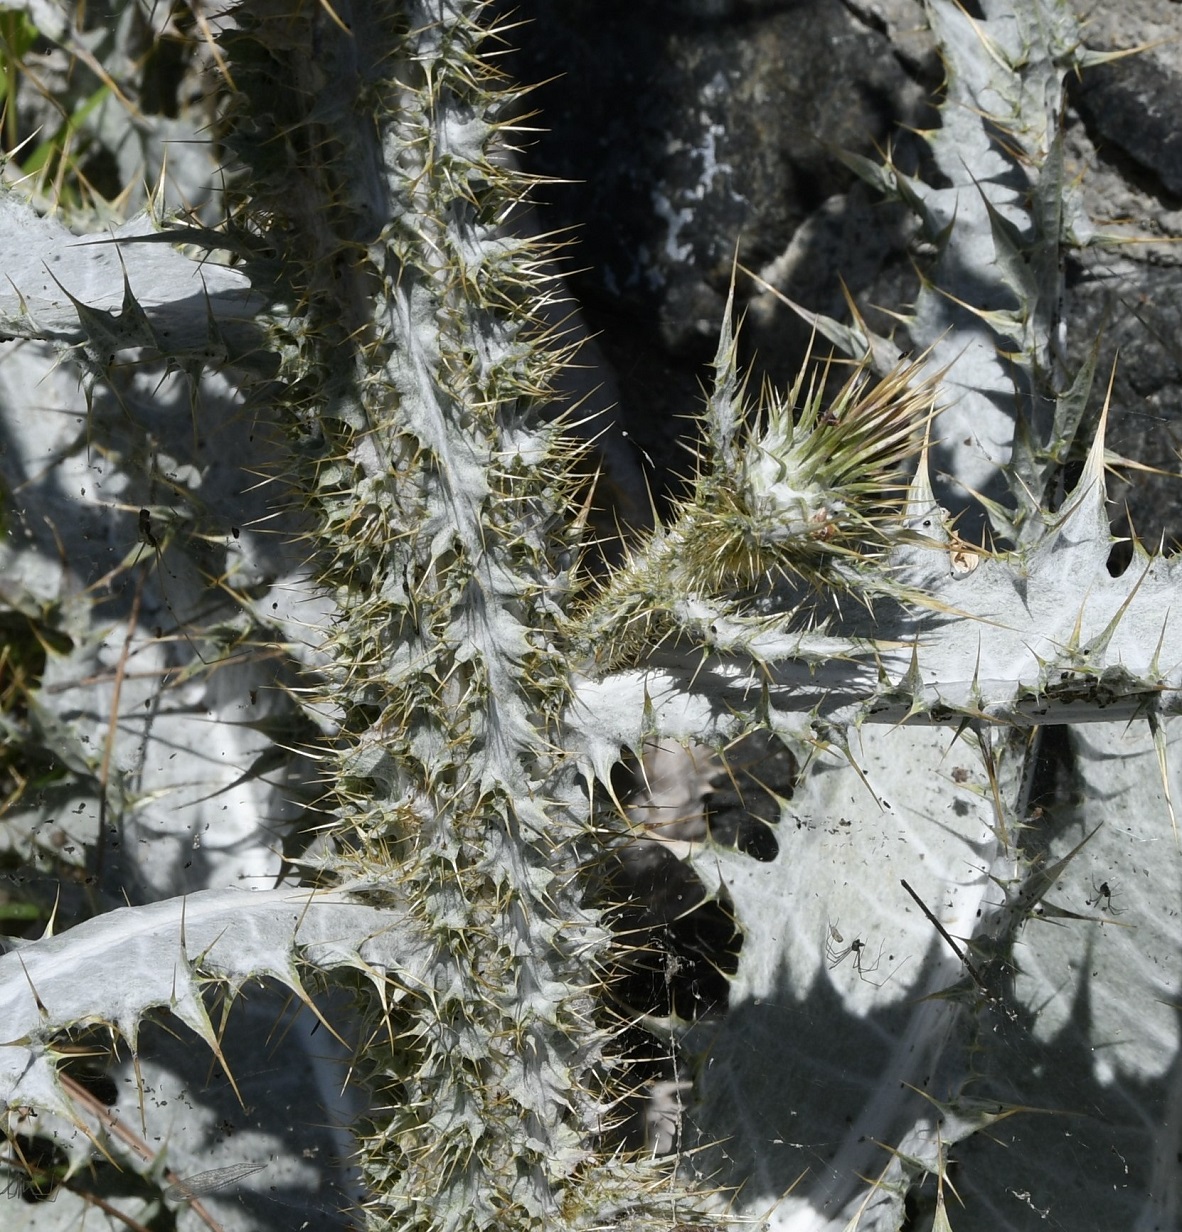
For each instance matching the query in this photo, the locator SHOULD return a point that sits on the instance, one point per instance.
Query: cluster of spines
(786, 491)
(443, 500)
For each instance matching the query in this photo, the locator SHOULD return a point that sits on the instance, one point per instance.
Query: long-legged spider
(1102, 896)
(837, 951)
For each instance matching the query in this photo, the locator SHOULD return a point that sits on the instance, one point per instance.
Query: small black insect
(146, 535)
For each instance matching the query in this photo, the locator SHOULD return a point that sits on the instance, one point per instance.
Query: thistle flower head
(817, 478)
(814, 480)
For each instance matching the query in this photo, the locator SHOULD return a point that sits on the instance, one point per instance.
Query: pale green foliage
(472, 713)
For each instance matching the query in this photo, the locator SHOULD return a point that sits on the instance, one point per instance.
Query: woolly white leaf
(173, 300)
(838, 959)
(114, 969)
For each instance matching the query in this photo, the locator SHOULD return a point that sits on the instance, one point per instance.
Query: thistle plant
(447, 689)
